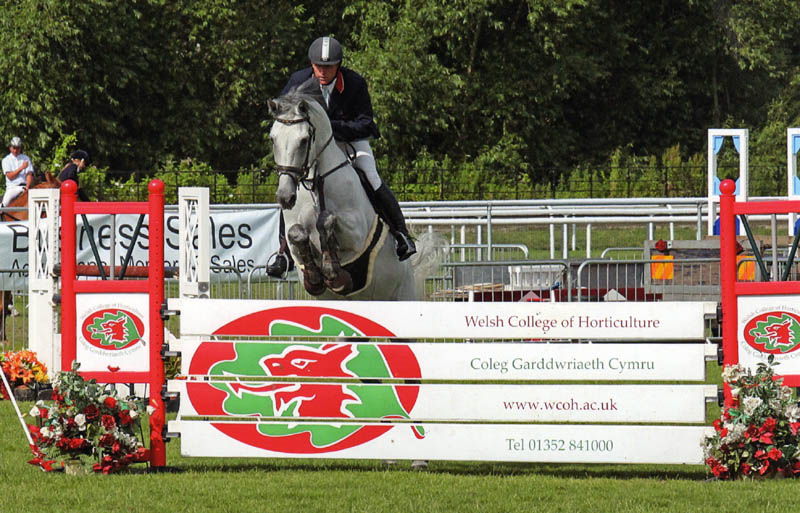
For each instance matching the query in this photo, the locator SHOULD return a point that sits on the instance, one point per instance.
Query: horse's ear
(273, 107)
(303, 107)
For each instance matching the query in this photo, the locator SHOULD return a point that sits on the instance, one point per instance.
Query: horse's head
(299, 134)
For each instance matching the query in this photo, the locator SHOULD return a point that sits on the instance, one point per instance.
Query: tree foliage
(494, 91)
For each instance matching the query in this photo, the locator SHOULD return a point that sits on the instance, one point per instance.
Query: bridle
(299, 174)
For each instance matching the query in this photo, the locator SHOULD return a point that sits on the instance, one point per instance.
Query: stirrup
(405, 245)
(279, 267)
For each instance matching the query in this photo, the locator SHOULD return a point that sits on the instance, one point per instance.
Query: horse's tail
(432, 250)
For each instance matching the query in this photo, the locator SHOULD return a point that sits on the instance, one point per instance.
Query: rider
(18, 169)
(350, 111)
(77, 161)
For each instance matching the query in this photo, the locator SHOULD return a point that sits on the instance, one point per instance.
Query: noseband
(299, 174)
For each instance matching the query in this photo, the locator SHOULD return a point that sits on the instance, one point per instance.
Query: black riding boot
(397, 223)
(283, 260)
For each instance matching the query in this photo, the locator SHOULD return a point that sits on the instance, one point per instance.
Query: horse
(340, 245)
(6, 300)
(50, 182)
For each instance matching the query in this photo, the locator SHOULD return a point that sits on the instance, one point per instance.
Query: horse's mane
(308, 90)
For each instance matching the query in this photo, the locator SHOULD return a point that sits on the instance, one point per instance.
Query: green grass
(221, 485)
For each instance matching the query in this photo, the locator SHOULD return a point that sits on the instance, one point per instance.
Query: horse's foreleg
(312, 276)
(336, 278)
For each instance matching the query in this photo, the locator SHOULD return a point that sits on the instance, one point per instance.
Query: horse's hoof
(342, 284)
(315, 289)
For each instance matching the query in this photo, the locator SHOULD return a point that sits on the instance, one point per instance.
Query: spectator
(18, 169)
(77, 161)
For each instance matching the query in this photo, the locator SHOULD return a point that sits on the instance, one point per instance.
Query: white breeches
(13, 191)
(364, 159)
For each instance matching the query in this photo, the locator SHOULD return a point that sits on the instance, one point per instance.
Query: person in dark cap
(349, 108)
(77, 161)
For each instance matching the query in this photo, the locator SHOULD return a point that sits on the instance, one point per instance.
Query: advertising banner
(240, 240)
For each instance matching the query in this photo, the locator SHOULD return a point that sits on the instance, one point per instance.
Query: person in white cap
(349, 108)
(18, 169)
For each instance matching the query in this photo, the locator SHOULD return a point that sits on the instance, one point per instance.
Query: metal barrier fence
(14, 316)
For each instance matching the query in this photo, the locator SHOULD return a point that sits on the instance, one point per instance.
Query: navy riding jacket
(349, 109)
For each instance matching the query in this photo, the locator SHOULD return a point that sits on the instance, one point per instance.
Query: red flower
(766, 438)
(125, 417)
(110, 403)
(761, 455)
(717, 468)
(768, 425)
(774, 454)
(43, 412)
(794, 427)
(115, 448)
(91, 412)
(764, 468)
(717, 425)
(77, 443)
(106, 440)
(752, 432)
(109, 422)
(746, 468)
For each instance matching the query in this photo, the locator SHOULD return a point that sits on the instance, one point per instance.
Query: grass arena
(606, 405)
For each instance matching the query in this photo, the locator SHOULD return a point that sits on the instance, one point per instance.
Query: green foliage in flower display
(760, 434)
(86, 421)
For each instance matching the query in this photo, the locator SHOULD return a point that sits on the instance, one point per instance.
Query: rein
(299, 174)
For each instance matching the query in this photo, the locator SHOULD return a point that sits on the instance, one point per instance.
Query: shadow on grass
(573, 471)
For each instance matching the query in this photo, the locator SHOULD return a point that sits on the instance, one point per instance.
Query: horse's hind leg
(336, 278)
(312, 276)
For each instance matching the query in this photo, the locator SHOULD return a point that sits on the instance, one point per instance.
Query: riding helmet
(15, 142)
(325, 51)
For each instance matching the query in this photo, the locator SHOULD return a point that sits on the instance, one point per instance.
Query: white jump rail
(302, 390)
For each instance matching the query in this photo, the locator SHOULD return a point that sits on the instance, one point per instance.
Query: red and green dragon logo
(775, 332)
(294, 411)
(113, 329)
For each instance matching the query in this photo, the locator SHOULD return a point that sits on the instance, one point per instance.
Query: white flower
(749, 404)
(34, 412)
(792, 412)
(45, 432)
(80, 421)
(735, 391)
(786, 394)
(133, 413)
(735, 433)
(150, 410)
(732, 373)
(775, 405)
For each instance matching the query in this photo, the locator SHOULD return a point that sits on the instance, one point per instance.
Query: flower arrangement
(21, 368)
(758, 435)
(86, 422)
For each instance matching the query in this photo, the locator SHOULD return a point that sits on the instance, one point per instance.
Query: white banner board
(512, 361)
(113, 332)
(769, 325)
(514, 403)
(559, 443)
(521, 320)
